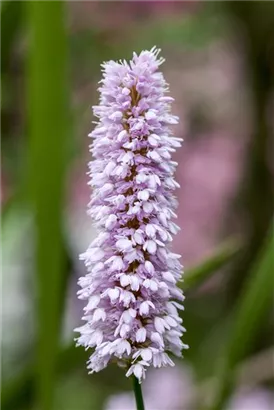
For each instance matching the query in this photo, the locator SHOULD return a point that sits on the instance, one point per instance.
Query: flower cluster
(131, 314)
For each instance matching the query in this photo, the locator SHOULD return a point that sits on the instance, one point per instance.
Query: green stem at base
(138, 394)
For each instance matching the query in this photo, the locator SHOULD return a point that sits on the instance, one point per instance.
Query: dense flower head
(132, 298)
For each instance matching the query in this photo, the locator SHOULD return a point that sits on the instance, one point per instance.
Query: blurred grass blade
(252, 306)
(198, 274)
(47, 97)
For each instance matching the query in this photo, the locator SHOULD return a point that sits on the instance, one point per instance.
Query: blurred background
(220, 67)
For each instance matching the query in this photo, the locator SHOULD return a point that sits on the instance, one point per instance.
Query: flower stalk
(137, 388)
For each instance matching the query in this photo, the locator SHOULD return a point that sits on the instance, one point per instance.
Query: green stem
(138, 394)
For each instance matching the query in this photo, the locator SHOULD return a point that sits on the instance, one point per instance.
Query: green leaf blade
(47, 103)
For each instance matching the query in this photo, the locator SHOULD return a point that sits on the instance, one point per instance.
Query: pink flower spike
(131, 287)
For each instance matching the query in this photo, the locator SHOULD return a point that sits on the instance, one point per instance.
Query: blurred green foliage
(253, 305)
(192, 32)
